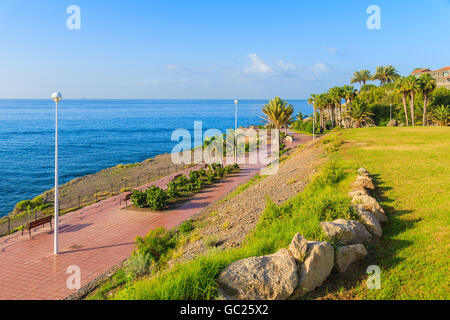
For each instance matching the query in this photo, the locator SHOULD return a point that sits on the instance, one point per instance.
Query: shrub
(236, 166)
(172, 190)
(156, 198)
(23, 205)
(199, 184)
(211, 241)
(181, 181)
(229, 169)
(202, 172)
(186, 226)
(220, 172)
(211, 178)
(193, 176)
(139, 198)
(155, 244)
(137, 265)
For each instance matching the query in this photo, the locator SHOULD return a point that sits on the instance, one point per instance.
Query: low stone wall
(293, 272)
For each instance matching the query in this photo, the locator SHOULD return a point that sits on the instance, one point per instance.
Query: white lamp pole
(57, 97)
(235, 129)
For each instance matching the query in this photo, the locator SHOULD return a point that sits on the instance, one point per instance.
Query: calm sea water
(96, 134)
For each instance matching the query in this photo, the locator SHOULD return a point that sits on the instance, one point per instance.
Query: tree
(441, 115)
(385, 74)
(277, 113)
(401, 86)
(426, 85)
(359, 112)
(412, 85)
(361, 76)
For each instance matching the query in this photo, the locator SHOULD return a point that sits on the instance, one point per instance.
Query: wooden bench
(37, 223)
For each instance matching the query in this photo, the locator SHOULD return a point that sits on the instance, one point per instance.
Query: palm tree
(402, 88)
(412, 84)
(426, 85)
(361, 76)
(385, 74)
(277, 113)
(337, 94)
(441, 115)
(321, 104)
(349, 94)
(359, 113)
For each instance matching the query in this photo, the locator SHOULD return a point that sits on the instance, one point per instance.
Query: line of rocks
(293, 272)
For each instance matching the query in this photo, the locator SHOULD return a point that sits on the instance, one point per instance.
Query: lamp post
(314, 123)
(235, 129)
(57, 97)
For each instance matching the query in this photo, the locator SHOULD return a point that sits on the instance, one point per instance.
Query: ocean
(97, 134)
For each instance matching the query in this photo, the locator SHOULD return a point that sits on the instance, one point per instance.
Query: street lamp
(235, 129)
(57, 97)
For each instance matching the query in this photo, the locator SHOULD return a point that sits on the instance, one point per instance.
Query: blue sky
(210, 49)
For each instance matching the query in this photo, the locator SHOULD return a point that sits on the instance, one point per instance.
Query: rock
(357, 192)
(370, 204)
(357, 229)
(345, 255)
(369, 221)
(401, 124)
(363, 182)
(298, 247)
(337, 232)
(315, 269)
(271, 277)
(392, 123)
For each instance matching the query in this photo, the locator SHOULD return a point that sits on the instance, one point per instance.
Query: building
(442, 76)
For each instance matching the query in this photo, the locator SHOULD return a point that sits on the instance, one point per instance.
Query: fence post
(9, 224)
(112, 189)
(96, 198)
(35, 214)
(137, 181)
(79, 202)
(159, 173)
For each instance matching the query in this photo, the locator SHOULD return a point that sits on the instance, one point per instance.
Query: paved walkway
(95, 239)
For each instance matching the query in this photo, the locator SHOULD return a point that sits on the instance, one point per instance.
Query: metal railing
(79, 193)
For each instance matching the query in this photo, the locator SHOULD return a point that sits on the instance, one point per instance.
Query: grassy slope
(411, 166)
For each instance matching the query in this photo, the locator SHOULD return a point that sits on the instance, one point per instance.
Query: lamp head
(57, 97)
(235, 101)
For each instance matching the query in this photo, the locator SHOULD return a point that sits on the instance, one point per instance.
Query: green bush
(139, 198)
(181, 181)
(172, 190)
(199, 184)
(211, 178)
(155, 244)
(137, 265)
(156, 198)
(186, 226)
(194, 176)
(331, 174)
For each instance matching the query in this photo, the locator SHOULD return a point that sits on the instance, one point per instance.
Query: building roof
(420, 71)
(442, 69)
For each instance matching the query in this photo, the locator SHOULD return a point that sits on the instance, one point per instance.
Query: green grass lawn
(412, 170)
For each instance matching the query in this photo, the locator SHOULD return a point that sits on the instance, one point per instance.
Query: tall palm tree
(359, 112)
(402, 87)
(277, 113)
(426, 86)
(385, 74)
(321, 104)
(412, 84)
(337, 94)
(441, 115)
(361, 76)
(349, 93)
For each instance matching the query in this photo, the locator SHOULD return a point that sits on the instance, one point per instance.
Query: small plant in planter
(139, 198)
(156, 198)
(181, 181)
(172, 190)
(193, 176)
(211, 178)
(236, 166)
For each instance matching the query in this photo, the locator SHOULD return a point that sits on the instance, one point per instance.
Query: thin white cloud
(319, 68)
(173, 67)
(257, 65)
(331, 50)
